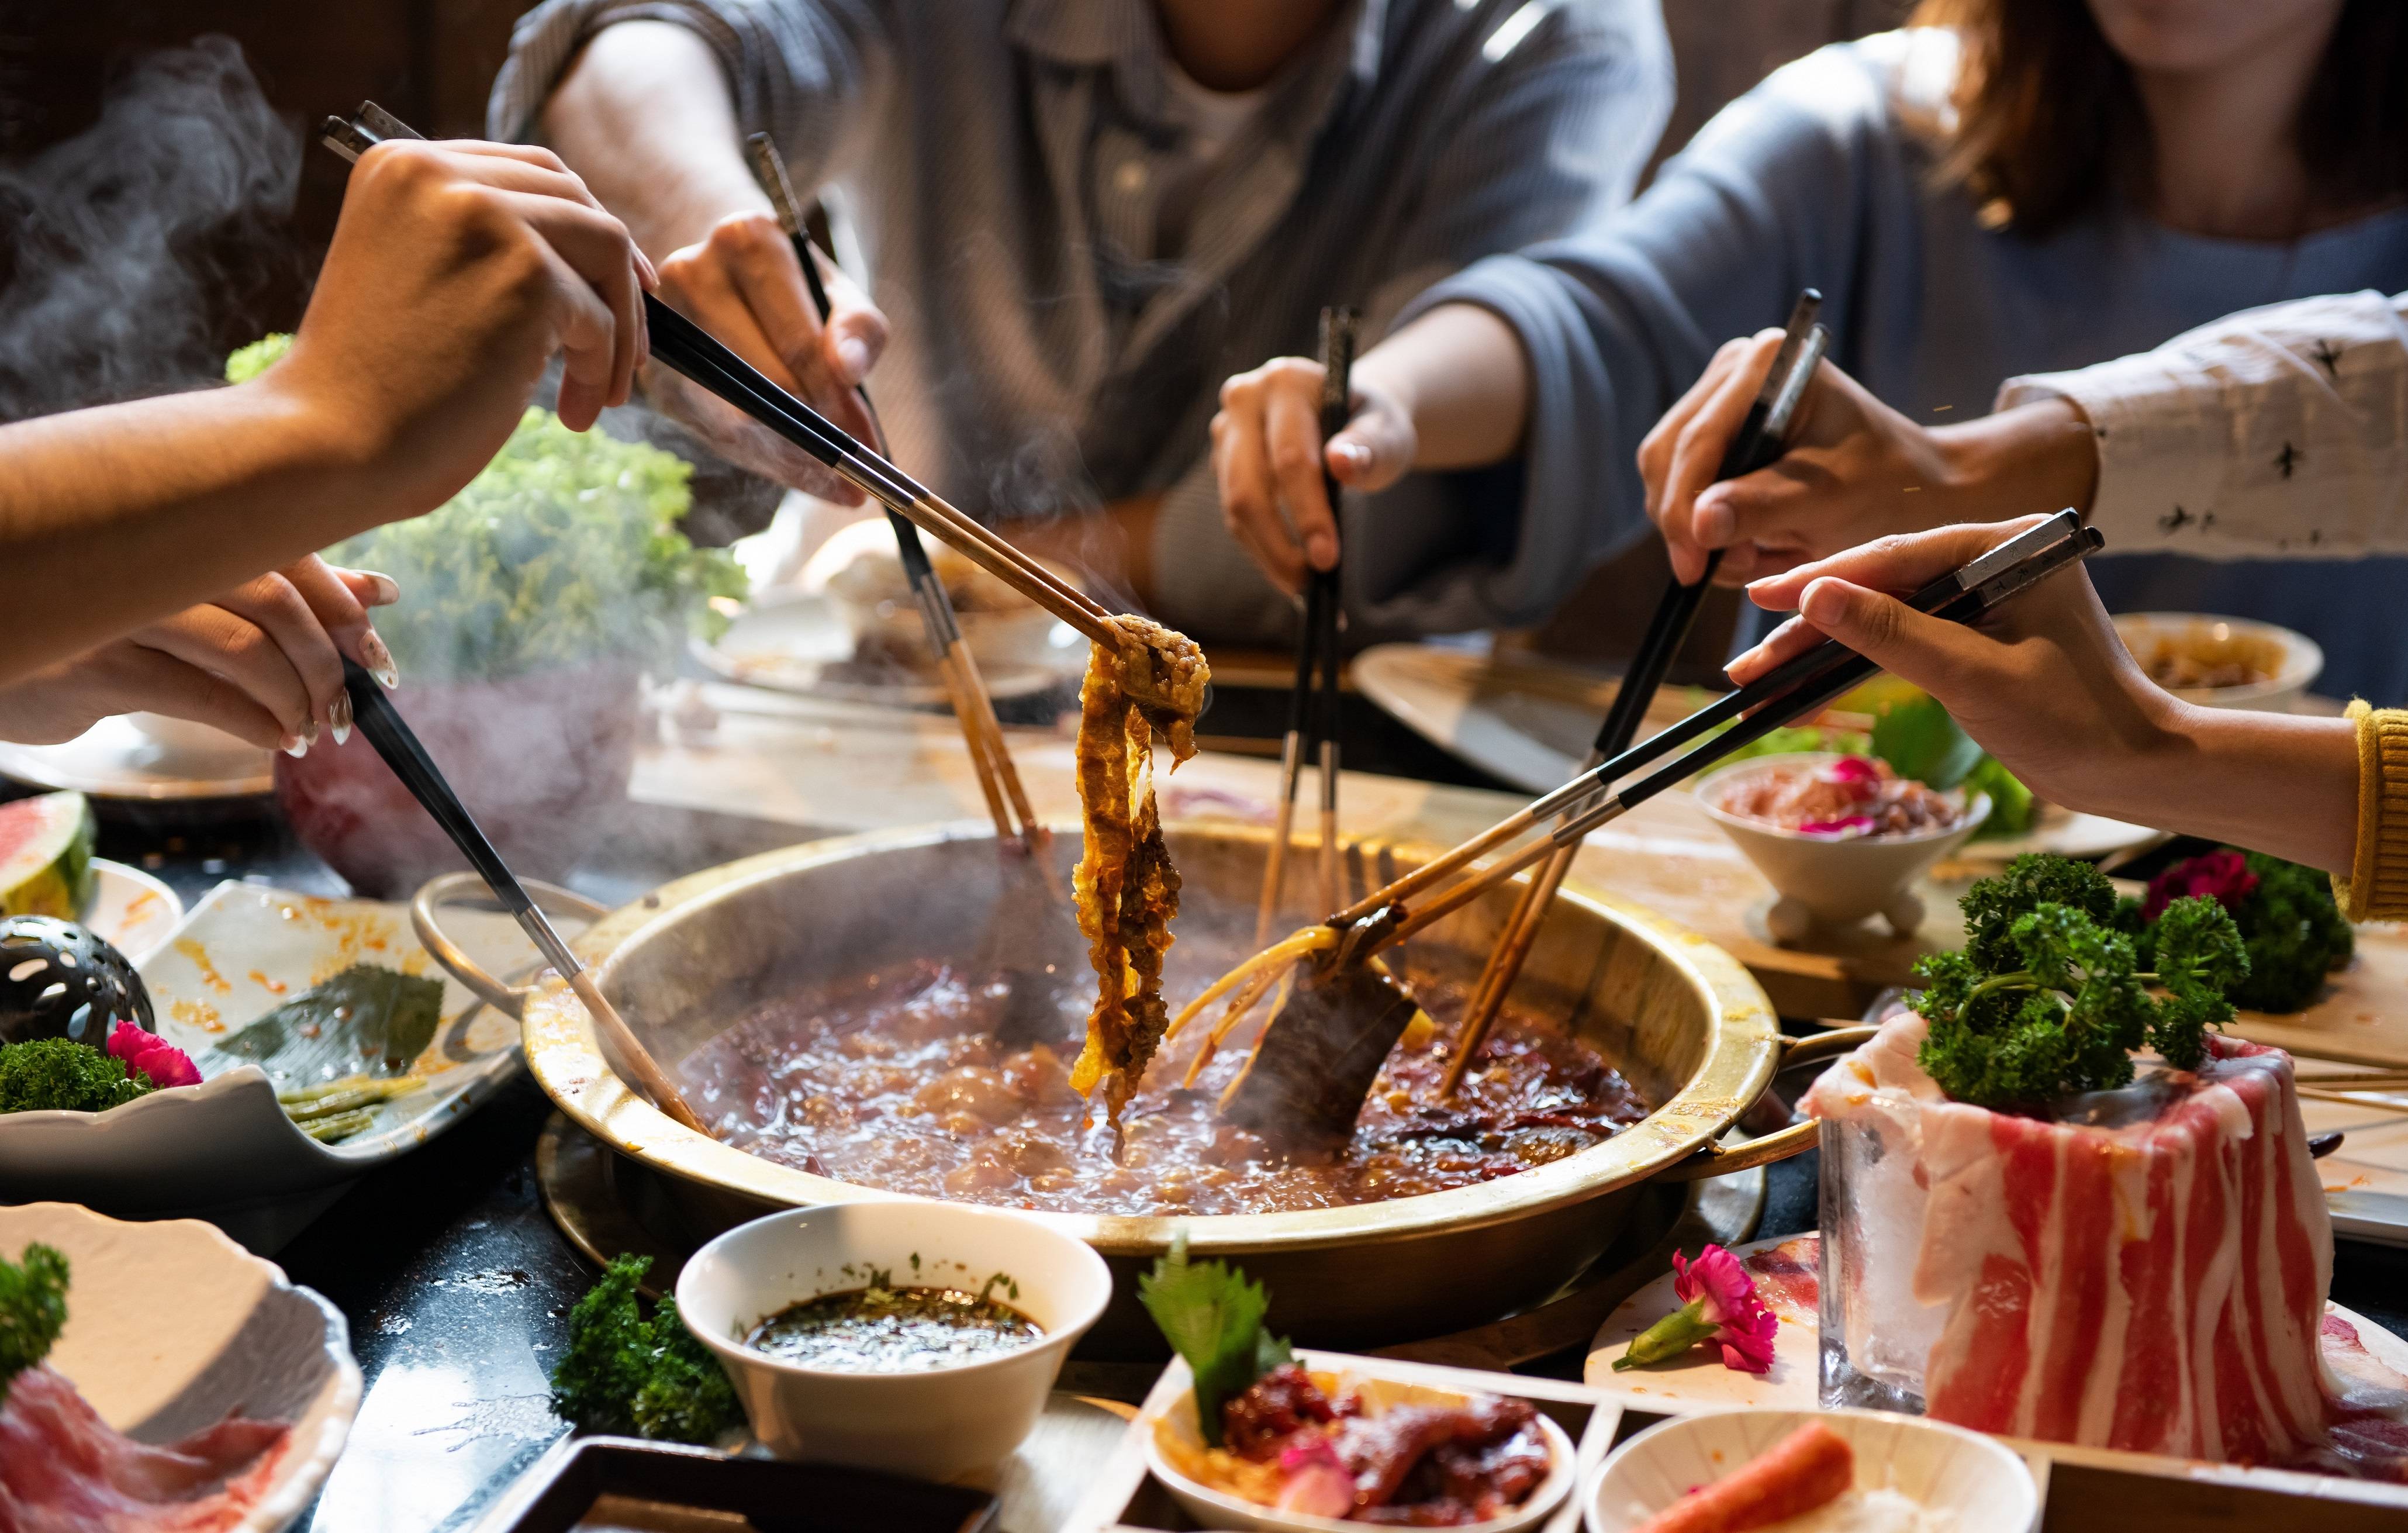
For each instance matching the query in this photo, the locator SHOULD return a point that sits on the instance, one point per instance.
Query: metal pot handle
(455, 888)
(1782, 1143)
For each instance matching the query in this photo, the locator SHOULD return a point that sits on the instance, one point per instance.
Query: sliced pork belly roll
(2144, 1269)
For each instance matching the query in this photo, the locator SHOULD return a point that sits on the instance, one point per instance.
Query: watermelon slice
(46, 856)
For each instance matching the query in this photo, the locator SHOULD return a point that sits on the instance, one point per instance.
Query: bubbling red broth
(898, 1080)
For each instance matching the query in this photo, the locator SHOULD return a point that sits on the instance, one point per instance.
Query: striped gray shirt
(1003, 162)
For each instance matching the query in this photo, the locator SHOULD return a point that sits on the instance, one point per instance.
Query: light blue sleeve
(1804, 181)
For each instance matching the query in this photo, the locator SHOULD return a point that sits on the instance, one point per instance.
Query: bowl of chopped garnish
(1833, 1472)
(1266, 1438)
(914, 1337)
(2222, 662)
(1840, 837)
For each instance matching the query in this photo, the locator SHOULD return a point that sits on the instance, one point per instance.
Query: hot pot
(1681, 1019)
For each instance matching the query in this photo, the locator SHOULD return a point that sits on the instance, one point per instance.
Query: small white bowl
(1942, 1469)
(1219, 1509)
(1837, 880)
(2300, 659)
(936, 1424)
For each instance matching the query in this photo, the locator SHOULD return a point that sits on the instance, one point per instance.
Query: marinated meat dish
(1127, 893)
(1307, 1443)
(2143, 1268)
(1855, 795)
(62, 1470)
(898, 1080)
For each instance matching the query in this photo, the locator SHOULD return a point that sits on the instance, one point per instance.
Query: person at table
(2279, 433)
(1080, 216)
(2046, 686)
(132, 536)
(2006, 187)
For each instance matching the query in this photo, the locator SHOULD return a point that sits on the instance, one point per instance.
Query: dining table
(454, 1280)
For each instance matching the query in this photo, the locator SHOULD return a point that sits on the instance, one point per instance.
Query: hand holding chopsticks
(684, 347)
(1007, 801)
(1758, 442)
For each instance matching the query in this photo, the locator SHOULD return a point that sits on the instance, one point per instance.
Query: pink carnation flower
(1720, 1306)
(154, 1057)
(2223, 876)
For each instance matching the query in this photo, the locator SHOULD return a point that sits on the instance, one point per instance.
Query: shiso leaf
(363, 1020)
(1213, 1317)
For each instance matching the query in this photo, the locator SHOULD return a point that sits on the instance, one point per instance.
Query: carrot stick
(1810, 1466)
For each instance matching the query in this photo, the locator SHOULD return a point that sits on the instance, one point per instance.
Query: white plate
(2366, 1180)
(224, 1149)
(115, 759)
(798, 642)
(171, 1328)
(1984, 1485)
(1698, 1381)
(130, 910)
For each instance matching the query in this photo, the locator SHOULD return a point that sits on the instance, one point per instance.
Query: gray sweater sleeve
(1801, 182)
(802, 70)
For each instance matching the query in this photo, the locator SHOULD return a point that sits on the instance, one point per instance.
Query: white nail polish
(295, 747)
(340, 714)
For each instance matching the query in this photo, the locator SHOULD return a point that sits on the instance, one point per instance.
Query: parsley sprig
(2049, 998)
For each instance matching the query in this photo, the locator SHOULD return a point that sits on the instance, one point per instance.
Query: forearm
(1458, 372)
(209, 489)
(2039, 457)
(645, 116)
(2281, 784)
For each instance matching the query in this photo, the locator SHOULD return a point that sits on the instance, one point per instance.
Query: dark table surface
(456, 1283)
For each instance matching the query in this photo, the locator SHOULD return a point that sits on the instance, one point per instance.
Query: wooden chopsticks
(686, 348)
(1007, 801)
(1310, 711)
(1801, 687)
(394, 739)
(1758, 442)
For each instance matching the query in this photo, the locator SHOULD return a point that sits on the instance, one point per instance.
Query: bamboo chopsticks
(1758, 442)
(686, 348)
(998, 779)
(1311, 712)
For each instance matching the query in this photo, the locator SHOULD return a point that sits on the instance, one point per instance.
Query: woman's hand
(1269, 458)
(2042, 683)
(742, 283)
(1855, 469)
(264, 662)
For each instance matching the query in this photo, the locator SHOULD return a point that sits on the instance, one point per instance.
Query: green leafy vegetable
(1921, 740)
(1213, 1317)
(366, 1020)
(2295, 932)
(251, 361)
(624, 1373)
(2049, 997)
(2011, 802)
(33, 1309)
(59, 1074)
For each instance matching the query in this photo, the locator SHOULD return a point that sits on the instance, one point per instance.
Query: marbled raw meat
(62, 1470)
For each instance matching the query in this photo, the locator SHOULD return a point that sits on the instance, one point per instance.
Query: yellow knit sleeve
(2378, 886)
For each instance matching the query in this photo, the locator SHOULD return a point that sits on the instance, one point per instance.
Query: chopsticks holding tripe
(686, 348)
(999, 778)
(1759, 441)
(1315, 711)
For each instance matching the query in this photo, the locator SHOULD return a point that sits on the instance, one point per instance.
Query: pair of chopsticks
(384, 728)
(684, 347)
(999, 778)
(1761, 439)
(1317, 645)
(1799, 688)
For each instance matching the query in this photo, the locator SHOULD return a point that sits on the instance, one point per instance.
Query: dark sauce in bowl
(881, 1329)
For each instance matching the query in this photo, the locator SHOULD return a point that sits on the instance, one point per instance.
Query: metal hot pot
(1682, 1020)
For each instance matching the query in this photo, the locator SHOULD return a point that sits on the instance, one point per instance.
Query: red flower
(2224, 875)
(1720, 1305)
(154, 1057)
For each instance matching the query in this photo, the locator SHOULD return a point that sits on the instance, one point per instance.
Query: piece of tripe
(1126, 890)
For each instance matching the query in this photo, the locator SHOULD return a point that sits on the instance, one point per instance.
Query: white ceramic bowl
(936, 1424)
(1944, 1469)
(1219, 1509)
(171, 1328)
(1837, 880)
(2298, 662)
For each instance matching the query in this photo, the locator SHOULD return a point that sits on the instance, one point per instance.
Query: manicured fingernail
(338, 712)
(1712, 522)
(853, 355)
(387, 590)
(1355, 455)
(295, 746)
(380, 661)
